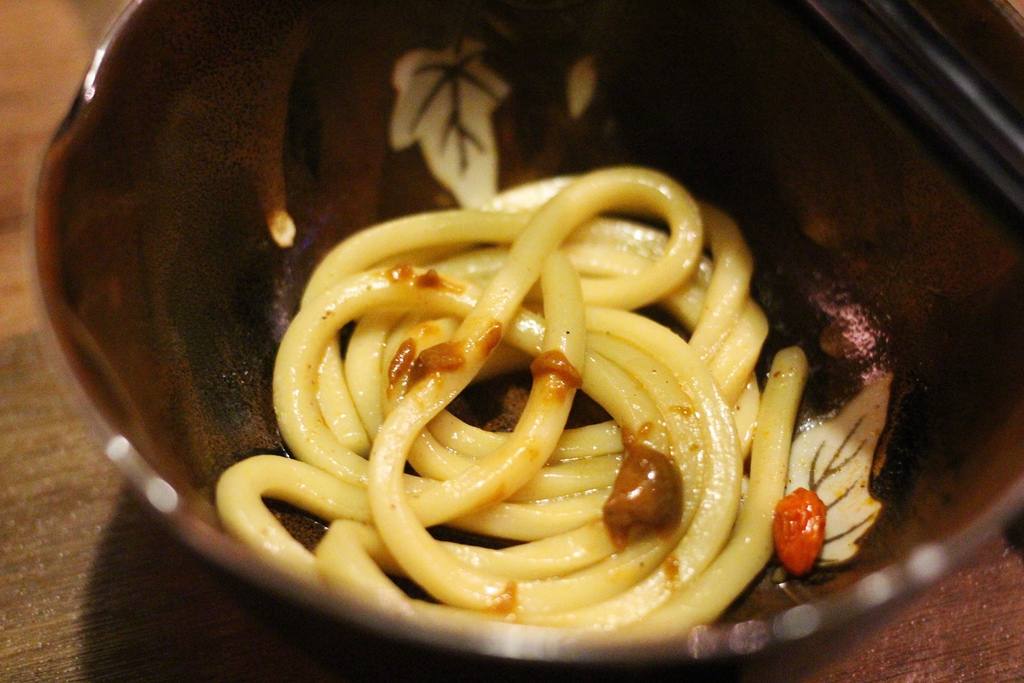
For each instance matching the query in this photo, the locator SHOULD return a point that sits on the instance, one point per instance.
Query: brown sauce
(401, 365)
(555, 365)
(647, 495)
(405, 273)
(671, 569)
(401, 272)
(433, 280)
(506, 602)
(490, 339)
(440, 358)
(446, 356)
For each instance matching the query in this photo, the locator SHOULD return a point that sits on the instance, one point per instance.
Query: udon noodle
(660, 515)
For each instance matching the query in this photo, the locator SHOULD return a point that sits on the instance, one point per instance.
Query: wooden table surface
(93, 589)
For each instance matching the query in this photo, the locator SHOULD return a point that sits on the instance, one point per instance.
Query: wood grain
(93, 589)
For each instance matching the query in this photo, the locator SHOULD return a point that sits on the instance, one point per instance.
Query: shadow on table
(156, 612)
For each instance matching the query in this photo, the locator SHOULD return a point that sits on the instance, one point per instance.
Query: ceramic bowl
(886, 238)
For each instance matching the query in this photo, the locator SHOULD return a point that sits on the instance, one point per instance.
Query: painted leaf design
(445, 102)
(834, 459)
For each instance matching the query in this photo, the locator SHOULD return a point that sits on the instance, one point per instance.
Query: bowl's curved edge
(874, 597)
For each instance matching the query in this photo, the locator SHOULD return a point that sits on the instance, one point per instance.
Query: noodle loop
(625, 522)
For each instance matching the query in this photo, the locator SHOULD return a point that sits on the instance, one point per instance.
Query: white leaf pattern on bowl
(445, 102)
(834, 459)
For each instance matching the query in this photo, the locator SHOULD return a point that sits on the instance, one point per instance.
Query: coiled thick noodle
(659, 516)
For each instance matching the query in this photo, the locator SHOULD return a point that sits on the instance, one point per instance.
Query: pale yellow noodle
(541, 271)
(750, 546)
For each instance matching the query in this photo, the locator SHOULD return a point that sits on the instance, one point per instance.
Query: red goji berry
(799, 530)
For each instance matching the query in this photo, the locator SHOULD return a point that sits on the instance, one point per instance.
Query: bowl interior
(169, 293)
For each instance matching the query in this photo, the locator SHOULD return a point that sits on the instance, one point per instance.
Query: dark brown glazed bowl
(875, 222)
